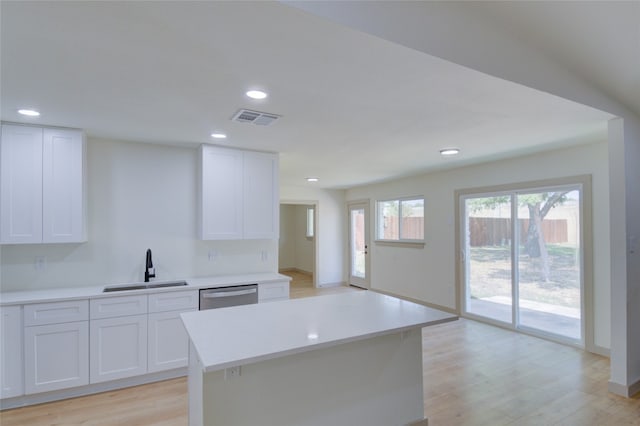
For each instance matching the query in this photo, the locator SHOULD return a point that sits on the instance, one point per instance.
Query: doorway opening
(298, 244)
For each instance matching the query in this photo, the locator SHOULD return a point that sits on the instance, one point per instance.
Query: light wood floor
(474, 374)
(302, 286)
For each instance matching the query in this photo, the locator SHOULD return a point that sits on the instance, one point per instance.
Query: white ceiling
(355, 108)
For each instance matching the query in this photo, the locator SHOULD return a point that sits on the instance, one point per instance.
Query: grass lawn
(491, 275)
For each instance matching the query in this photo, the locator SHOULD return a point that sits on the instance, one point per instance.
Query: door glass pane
(488, 257)
(549, 262)
(357, 249)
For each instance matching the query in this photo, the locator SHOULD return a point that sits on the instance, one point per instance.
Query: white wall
(428, 273)
(624, 137)
(140, 196)
(330, 229)
(632, 189)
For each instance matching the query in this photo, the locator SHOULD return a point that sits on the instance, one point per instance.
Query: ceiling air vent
(254, 117)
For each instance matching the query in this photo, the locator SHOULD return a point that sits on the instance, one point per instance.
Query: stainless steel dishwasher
(222, 297)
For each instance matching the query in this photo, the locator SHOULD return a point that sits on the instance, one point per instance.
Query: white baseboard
(623, 390)
(338, 284)
(39, 398)
(302, 271)
(600, 350)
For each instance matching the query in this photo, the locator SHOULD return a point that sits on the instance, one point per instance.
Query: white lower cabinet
(71, 343)
(278, 290)
(11, 381)
(168, 341)
(56, 356)
(118, 347)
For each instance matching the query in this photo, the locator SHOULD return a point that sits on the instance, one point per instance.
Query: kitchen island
(344, 359)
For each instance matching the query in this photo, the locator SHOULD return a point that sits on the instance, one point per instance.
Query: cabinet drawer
(173, 301)
(109, 307)
(277, 290)
(56, 312)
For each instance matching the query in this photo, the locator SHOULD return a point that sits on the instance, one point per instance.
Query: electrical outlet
(264, 255)
(40, 263)
(232, 372)
(213, 255)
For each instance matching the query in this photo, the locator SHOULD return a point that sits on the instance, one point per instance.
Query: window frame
(399, 240)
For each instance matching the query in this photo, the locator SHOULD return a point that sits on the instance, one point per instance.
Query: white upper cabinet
(221, 193)
(42, 189)
(261, 196)
(239, 196)
(21, 184)
(63, 186)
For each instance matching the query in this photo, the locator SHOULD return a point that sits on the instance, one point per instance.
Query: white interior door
(359, 264)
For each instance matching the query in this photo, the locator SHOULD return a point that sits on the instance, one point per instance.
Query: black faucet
(149, 271)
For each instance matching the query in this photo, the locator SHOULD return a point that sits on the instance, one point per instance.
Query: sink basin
(126, 287)
(167, 284)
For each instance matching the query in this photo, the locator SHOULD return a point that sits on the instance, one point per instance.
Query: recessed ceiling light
(449, 151)
(29, 112)
(256, 94)
(312, 179)
(218, 135)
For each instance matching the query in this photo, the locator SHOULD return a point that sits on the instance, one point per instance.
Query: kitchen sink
(167, 284)
(126, 287)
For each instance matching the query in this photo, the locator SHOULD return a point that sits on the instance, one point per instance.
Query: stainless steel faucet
(149, 271)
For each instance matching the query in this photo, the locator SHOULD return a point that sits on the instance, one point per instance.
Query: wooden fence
(412, 228)
(494, 231)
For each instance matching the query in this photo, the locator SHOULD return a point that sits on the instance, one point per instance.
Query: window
(400, 220)
(310, 220)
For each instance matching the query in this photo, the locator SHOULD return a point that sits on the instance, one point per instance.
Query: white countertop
(246, 334)
(74, 293)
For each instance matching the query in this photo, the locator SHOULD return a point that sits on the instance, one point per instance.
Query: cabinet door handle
(220, 294)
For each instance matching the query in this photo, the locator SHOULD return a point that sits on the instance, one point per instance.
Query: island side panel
(376, 381)
(195, 385)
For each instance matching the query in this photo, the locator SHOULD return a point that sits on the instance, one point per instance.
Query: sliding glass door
(488, 257)
(549, 253)
(522, 260)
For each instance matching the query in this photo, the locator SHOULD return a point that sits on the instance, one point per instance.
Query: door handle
(219, 294)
